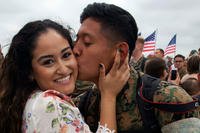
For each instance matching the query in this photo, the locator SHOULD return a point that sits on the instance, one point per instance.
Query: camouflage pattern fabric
(189, 125)
(88, 104)
(182, 72)
(139, 65)
(128, 115)
(173, 94)
(83, 86)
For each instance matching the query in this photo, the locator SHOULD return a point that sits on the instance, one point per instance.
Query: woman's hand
(113, 82)
(110, 85)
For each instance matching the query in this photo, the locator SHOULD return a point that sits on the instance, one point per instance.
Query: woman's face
(54, 65)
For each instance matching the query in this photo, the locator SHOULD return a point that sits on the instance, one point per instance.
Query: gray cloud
(169, 17)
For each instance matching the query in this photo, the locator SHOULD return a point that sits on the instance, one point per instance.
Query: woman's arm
(110, 85)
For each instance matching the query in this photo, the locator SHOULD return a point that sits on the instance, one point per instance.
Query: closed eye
(87, 44)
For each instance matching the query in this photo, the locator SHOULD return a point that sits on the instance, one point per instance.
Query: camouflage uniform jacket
(128, 115)
(138, 65)
(182, 72)
(189, 125)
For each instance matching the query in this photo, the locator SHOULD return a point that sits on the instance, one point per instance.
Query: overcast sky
(169, 17)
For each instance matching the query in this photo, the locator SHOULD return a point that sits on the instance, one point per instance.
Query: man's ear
(123, 49)
(198, 76)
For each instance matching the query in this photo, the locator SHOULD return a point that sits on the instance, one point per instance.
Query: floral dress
(53, 112)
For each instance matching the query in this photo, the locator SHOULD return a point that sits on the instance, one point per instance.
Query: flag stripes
(171, 47)
(149, 43)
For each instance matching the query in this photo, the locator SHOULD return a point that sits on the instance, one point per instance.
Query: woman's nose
(62, 68)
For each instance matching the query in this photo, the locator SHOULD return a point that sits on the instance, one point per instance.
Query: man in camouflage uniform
(173, 94)
(179, 63)
(137, 58)
(104, 29)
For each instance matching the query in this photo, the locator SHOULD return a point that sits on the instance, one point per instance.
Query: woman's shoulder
(50, 109)
(187, 76)
(44, 99)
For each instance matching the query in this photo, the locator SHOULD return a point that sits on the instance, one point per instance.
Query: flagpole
(176, 46)
(156, 39)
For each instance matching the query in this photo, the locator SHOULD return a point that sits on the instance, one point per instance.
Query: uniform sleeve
(171, 94)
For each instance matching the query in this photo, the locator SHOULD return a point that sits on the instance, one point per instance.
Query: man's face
(159, 54)
(178, 62)
(91, 49)
(138, 45)
(138, 48)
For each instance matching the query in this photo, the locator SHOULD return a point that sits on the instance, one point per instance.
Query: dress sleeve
(104, 129)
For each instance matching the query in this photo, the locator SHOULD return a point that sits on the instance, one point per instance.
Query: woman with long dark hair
(38, 76)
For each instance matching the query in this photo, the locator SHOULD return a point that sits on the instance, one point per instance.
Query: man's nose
(77, 51)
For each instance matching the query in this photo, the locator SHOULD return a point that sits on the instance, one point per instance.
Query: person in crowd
(192, 68)
(188, 125)
(39, 74)
(191, 86)
(179, 61)
(198, 76)
(169, 62)
(137, 59)
(193, 52)
(199, 51)
(151, 55)
(156, 67)
(159, 53)
(1, 57)
(105, 28)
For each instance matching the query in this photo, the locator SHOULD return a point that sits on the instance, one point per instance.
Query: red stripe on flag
(148, 50)
(170, 49)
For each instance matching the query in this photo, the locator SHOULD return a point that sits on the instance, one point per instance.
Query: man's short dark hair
(191, 86)
(155, 67)
(117, 23)
(193, 64)
(161, 50)
(179, 55)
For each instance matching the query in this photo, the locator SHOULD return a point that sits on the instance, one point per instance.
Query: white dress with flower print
(54, 112)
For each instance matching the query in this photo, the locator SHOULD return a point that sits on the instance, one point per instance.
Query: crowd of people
(51, 83)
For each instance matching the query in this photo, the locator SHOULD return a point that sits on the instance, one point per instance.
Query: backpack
(146, 87)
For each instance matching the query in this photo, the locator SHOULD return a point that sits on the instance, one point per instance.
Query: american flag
(171, 47)
(149, 43)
